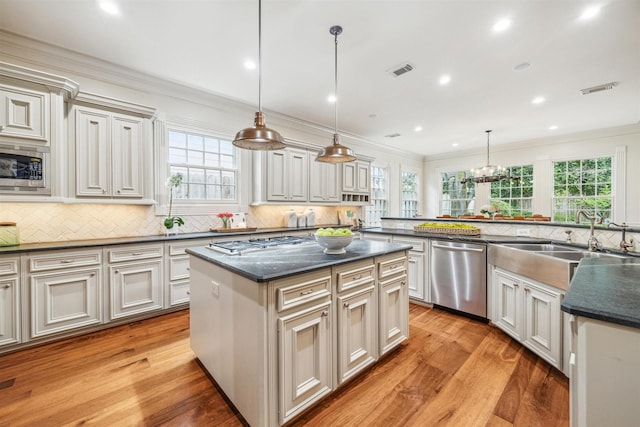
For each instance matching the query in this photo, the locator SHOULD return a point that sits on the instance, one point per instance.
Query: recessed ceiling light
(538, 100)
(331, 99)
(455, 144)
(249, 64)
(501, 25)
(109, 6)
(445, 79)
(418, 128)
(589, 13)
(522, 66)
(554, 127)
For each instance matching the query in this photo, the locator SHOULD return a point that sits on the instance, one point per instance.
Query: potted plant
(173, 181)
(224, 216)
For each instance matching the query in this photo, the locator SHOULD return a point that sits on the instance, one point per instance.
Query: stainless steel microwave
(24, 169)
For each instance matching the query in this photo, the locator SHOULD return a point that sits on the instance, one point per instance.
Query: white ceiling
(203, 44)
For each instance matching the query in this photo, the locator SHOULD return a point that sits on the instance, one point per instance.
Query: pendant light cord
(488, 132)
(335, 84)
(260, 55)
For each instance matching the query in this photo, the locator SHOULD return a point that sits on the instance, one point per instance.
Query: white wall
(623, 143)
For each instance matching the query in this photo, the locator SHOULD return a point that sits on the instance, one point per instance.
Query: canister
(9, 235)
(290, 219)
(302, 220)
(311, 217)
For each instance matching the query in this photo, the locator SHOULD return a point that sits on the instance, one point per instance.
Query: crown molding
(56, 84)
(113, 103)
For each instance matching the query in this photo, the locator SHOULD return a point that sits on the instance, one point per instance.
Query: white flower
(174, 180)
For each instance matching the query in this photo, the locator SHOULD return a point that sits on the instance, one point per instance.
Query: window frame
(499, 200)
(417, 173)
(373, 216)
(472, 200)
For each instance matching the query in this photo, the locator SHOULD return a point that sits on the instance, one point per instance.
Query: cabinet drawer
(180, 247)
(62, 260)
(354, 275)
(418, 244)
(303, 292)
(132, 253)
(392, 266)
(179, 267)
(8, 266)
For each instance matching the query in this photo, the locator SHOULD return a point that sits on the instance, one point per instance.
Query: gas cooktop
(238, 247)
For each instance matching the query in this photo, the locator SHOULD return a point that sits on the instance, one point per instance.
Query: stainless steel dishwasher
(459, 276)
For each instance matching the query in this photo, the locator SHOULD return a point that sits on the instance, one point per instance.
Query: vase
(225, 222)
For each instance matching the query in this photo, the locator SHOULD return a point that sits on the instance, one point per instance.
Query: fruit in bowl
(334, 241)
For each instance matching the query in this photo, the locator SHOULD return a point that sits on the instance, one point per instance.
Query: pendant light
(259, 137)
(488, 172)
(336, 153)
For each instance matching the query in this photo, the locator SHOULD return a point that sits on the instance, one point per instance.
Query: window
(456, 198)
(379, 197)
(582, 184)
(409, 194)
(514, 197)
(208, 165)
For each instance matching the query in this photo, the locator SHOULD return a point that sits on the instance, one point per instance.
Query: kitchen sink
(540, 247)
(578, 255)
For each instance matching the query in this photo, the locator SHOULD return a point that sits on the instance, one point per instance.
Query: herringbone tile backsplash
(52, 222)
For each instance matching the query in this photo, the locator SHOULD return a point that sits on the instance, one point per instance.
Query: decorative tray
(232, 230)
(457, 229)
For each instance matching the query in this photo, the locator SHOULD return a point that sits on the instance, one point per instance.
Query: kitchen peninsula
(281, 328)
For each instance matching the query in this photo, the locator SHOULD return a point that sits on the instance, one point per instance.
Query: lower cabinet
(394, 302)
(177, 271)
(530, 312)
(417, 265)
(135, 279)
(9, 300)
(65, 291)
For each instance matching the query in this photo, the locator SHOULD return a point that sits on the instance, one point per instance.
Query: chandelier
(488, 172)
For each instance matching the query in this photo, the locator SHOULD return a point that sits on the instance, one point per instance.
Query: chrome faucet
(593, 243)
(624, 245)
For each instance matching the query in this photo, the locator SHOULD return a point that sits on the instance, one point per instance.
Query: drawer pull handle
(66, 261)
(325, 313)
(6, 286)
(136, 254)
(307, 292)
(358, 277)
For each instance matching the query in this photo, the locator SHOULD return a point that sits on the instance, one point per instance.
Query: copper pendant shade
(259, 137)
(336, 153)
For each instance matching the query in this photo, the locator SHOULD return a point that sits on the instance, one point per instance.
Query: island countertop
(606, 289)
(276, 263)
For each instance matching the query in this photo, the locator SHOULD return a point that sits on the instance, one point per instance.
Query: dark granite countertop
(482, 238)
(277, 263)
(78, 244)
(606, 289)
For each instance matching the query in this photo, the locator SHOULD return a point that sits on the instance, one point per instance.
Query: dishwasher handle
(456, 248)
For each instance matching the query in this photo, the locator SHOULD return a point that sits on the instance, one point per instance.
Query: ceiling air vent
(392, 135)
(599, 88)
(401, 69)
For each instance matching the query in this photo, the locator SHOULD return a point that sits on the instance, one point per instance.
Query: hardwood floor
(453, 372)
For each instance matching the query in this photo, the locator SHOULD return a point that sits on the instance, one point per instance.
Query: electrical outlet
(522, 232)
(400, 226)
(215, 289)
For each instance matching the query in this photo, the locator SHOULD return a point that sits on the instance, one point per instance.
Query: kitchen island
(281, 328)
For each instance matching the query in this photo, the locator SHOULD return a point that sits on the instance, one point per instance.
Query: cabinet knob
(1, 128)
(325, 313)
(188, 292)
(104, 191)
(188, 268)
(116, 272)
(307, 292)
(403, 283)
(92, 274)
(345, 305)
(118, 191)
(6, 286)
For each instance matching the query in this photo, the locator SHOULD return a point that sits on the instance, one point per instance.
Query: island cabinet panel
(394, 301)
(508, 305)
(9, 300)
(304, 358)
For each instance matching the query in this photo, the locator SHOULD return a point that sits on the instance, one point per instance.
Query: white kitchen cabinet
(135, 279)
(304, 358)
(65, 291)
(530, 312)
(356, 182)
(376, 237)
(110, 155)
(9, 300)
(288, 175)
(393, 301)
(357, 308)
(24, 114)
(178, 271)
(417, 265)
(324, 181)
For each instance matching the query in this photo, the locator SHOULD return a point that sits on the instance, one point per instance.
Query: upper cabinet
(288, 175)
(111, 149)
(324, 181)
(356, 182)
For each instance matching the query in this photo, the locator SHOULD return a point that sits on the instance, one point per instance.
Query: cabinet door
(277, 175)
(357, 326)
(128, 159)
(508, 304)
(349, 177)
(542, 322)
(363, 177)
(93, 153)
(323, 181)
(135, 287)
(63, 300)
(23, 113)
(415, 272)
(9, 313)
(394, 312)
(298, 175)
(304, 359)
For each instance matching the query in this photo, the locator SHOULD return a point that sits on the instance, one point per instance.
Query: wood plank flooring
(452, 372)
